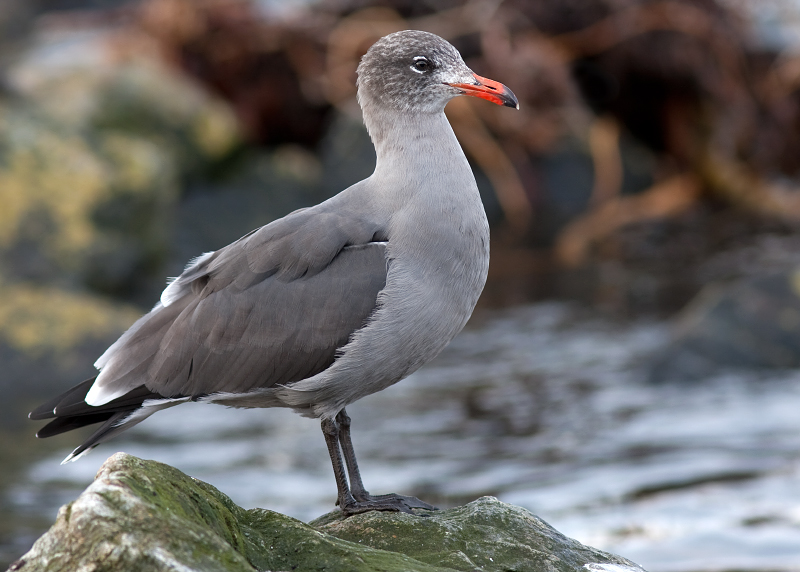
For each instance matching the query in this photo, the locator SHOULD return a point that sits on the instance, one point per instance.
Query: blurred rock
(142, 515)
(93, 149)
(41, 320)
(659, 266)
(15, 22)
(257, 188)
(752, 323)
(96, 144)
(266, 59)
(347, 153)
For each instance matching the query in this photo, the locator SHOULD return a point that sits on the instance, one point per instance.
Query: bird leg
(356, 484)
(355, 499)
(331, 432)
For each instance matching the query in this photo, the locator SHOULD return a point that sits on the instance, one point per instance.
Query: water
(542, 406)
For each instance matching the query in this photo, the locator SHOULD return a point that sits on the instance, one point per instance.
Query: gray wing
(269, 309)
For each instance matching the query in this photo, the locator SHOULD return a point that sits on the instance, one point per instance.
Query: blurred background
(631, 372)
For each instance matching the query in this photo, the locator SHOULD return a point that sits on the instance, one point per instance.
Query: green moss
(268, 540)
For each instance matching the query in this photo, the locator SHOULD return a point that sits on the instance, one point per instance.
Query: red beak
(489, 90)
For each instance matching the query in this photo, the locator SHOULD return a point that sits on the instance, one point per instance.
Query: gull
(330, 303)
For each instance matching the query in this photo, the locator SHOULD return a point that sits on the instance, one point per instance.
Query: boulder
(752, 323)
(95, 143)
(143, 515)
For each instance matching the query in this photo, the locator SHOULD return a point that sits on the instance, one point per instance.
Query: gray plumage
(330, 303)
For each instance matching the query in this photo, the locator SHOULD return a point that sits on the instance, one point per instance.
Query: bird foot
(391, 502)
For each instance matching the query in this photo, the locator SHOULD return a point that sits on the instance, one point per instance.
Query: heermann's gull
(330, 303)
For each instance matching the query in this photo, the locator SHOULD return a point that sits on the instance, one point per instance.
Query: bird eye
(421, 64)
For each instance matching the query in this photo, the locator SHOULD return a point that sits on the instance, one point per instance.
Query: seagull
(330, 303)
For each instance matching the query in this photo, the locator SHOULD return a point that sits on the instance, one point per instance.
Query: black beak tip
(509, 99)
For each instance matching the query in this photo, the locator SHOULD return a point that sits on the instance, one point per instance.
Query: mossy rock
(485, 534)
(143, 515)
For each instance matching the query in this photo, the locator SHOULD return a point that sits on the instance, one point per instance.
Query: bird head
(420, 72)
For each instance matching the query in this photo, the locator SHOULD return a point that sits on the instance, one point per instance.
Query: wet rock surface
(143, 515)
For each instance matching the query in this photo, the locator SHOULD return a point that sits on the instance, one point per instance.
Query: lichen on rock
(144, 515)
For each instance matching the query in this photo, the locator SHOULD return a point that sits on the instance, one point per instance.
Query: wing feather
(272, 333)
(271, 308)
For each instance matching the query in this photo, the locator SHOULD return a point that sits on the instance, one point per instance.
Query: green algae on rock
(144, 515)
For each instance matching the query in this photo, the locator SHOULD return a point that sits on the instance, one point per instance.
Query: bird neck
(415, 145)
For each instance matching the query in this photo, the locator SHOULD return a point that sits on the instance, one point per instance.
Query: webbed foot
(391, 502)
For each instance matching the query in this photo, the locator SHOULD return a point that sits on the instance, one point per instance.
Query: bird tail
(70, 411)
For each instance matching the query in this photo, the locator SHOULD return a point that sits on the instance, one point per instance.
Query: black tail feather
(111, 423)
(47, 410)
(63, 424)
(71, 411)
(131, 400)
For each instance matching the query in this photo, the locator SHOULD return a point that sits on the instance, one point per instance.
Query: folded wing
(269, 309)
